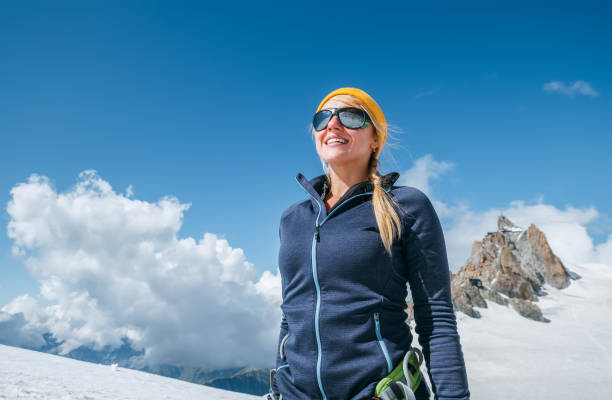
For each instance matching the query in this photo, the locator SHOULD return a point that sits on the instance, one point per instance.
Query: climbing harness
(404, 380)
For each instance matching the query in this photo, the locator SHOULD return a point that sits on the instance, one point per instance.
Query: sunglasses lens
(352, 118)
(321, 119)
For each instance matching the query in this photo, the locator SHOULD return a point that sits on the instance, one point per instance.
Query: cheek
(362, 142)
(317, 142)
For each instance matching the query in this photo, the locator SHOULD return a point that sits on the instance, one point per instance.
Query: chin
(341, 160)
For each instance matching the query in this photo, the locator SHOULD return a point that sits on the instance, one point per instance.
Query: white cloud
(565, 229)
(111, 266)
(578, 87)
(15, 329)
(424, 169)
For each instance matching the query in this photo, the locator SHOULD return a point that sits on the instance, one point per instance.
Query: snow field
(33, 375)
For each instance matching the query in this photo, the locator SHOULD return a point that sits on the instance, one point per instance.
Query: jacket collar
(361, 187)
(317, 187)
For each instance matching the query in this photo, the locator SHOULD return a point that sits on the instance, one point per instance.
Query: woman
(346, 254)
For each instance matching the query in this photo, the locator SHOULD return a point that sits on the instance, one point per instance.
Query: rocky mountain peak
(509, 267)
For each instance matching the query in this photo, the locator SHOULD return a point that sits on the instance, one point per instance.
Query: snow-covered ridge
(28, 374)
(511, 357)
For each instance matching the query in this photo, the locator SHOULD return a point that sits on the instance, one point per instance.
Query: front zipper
(381, 342)
(318, 306)
(315, 239)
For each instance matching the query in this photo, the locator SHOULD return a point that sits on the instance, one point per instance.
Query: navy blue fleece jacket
(343, 326)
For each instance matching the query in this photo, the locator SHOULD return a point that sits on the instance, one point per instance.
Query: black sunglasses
(350, 117)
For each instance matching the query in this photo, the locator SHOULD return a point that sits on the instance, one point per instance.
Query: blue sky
(211, 103)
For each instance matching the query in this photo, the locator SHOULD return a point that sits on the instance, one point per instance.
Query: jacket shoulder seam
(293, 207)
(413, 195)
(409, 220)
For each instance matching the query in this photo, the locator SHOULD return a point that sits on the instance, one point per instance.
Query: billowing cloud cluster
(113, 267)
(565, 229)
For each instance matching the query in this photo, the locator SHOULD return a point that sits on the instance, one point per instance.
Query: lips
(335, 140)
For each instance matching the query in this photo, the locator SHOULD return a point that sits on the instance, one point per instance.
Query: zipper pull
(317, 232)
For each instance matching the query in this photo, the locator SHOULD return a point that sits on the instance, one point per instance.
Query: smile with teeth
(336, 140)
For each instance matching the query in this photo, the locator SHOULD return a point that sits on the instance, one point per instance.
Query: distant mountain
(249, 380)
(509, 267)
(107, 355)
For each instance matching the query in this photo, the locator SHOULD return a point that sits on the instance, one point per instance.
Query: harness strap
(404, 380)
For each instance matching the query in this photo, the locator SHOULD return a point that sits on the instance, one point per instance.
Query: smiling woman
(346, 254)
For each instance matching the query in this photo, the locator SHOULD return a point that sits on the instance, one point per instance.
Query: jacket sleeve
(424, 253)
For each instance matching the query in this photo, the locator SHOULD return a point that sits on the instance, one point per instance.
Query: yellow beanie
(374, 109)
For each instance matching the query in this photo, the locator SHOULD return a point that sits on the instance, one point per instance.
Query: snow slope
(511, 357)
(33, 375)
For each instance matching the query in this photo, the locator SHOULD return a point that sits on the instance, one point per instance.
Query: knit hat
(373, 108)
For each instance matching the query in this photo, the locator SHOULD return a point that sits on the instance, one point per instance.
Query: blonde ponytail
(389, 223)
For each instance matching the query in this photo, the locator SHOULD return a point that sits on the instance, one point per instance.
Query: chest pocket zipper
(381, 342)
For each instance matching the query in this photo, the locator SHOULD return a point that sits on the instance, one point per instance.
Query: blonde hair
(389, 223)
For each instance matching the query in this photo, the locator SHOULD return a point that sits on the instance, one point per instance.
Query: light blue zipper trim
(318, 306)
(382, 344)
(282, 366)
(315, 276)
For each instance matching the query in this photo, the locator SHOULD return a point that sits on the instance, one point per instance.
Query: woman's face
(359, 142)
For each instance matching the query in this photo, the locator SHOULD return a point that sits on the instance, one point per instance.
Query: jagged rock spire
(508, 266)
(505, 225)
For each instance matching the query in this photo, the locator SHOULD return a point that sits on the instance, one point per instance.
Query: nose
(334, 122)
